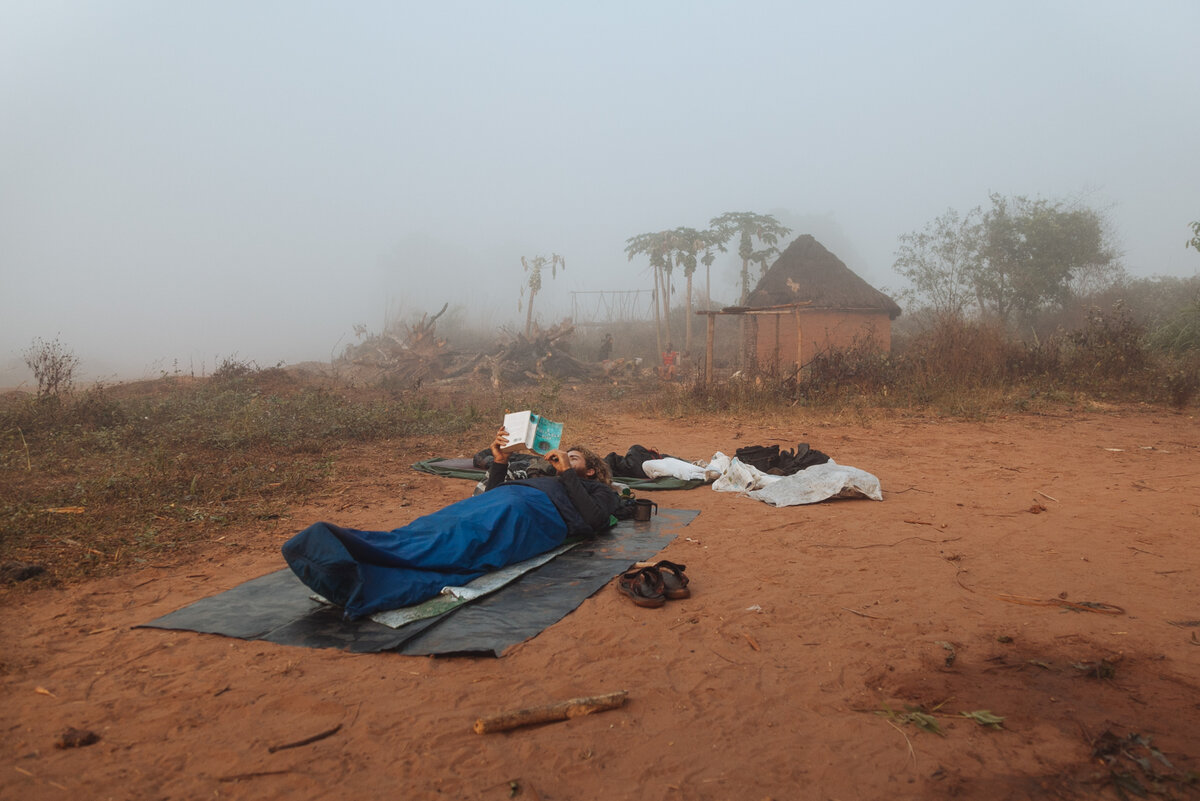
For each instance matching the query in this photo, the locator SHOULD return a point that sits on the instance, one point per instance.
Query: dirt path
(805, 625)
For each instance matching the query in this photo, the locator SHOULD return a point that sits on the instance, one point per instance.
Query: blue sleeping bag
(370, 571)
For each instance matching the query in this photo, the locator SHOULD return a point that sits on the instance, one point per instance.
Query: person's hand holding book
(500, 443)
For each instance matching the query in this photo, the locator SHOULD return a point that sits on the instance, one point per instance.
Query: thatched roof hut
(807, 303)
(808, 273)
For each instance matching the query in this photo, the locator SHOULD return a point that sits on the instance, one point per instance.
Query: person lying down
(512, 520)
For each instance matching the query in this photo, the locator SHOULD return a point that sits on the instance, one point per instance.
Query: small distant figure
(605, 352)
(670, 363)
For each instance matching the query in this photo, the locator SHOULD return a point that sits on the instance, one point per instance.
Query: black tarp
(278, 608)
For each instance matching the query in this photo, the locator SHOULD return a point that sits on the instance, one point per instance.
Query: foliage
(748, 227)
(659, 247)
(984, 718)
(965, 368)
(968, 368)
(534, 268)
(679, 247)
(159, 464)
(914, 715)
(1111, 345)
(163, 463)
(941, 261)
(1031, 248)
(689, 244)
(1157, 300)
(861, 369)
(927, 721)
(1181, 333)
(1016, 258)
(1194, 242)
(53, 366)
(1137, 768)
(231, 368)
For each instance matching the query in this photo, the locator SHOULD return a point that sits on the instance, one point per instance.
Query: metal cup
(641, 509)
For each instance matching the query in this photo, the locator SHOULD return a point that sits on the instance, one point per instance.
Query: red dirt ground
(805, 625)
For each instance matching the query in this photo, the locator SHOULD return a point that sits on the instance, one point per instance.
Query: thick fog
(182, 182)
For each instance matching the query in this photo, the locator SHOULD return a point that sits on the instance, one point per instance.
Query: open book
(533, 431)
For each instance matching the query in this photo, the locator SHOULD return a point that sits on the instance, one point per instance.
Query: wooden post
(778, 356)
(749, 344)
(799, 343)
(754, 340)
(710, 339)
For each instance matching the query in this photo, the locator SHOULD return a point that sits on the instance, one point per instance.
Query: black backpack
(769, 459)
(761, 457)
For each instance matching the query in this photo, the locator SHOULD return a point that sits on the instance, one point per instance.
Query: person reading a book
(513, 520)
(581, 489)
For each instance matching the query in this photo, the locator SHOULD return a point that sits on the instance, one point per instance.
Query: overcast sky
(182, 182)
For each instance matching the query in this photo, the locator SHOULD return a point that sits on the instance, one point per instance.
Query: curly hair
(593, 462)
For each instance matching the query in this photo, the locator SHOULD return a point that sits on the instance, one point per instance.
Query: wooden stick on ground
(307, 740)
(574, 708)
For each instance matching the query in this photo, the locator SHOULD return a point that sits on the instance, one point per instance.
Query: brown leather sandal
(675, 581)
(644, 586)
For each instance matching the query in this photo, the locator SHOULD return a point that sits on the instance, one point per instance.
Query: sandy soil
(805, 625)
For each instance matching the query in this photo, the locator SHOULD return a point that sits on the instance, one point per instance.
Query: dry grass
(967, 370)
(158, 465)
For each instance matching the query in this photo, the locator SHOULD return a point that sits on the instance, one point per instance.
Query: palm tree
(534, 267)
(659, 246)
(707, 260)
(748, 226)
(688, 244)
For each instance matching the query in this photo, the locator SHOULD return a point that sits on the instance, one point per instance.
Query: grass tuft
(148, 468)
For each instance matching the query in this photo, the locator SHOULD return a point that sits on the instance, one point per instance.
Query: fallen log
(530, 716)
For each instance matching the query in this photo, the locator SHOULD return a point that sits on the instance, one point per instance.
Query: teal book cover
(539, 434)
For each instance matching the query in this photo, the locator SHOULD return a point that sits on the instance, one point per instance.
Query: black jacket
(585, 505)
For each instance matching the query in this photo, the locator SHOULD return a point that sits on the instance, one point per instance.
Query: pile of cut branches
(415, 354)
(523, 360)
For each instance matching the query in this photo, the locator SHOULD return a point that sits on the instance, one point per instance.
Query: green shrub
(1180, 334)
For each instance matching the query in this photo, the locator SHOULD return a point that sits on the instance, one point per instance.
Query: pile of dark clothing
(769, 459)
(630, 465)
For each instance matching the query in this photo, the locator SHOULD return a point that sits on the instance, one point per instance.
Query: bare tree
(53, 366)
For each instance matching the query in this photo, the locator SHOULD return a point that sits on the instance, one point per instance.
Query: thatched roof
(807, 272)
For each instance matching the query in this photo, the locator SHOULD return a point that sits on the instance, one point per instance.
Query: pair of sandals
(652, 585)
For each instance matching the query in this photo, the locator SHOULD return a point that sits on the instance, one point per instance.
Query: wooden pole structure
(799, 342)
(777, 356)
(710, 336)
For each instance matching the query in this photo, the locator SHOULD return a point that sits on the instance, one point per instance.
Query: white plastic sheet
(818, 483)
(741, 477)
